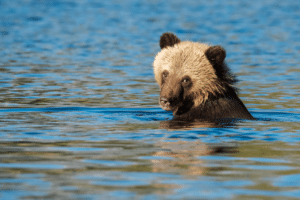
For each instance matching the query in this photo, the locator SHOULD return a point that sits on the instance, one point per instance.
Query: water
(79, 104)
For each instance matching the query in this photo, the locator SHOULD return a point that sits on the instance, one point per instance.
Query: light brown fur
(188, 58)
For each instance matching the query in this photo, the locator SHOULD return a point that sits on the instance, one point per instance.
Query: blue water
(79, 113)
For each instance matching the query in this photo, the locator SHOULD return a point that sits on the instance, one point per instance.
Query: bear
(195, 82)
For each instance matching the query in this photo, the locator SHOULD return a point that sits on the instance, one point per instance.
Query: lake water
(79, 104)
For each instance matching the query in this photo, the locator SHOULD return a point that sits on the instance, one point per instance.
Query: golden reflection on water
(183, 157)
(189, 125)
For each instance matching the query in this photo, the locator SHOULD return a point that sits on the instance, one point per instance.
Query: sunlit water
(79, 104)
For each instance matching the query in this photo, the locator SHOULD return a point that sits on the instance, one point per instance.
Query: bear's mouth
(168, 105)
(178, 108)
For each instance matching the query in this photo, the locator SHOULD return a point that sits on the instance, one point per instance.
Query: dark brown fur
(168, 39)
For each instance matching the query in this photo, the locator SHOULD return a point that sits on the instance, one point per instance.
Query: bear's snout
(171, 94)
(170, 102)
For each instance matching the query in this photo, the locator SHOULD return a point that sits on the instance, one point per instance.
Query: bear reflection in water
(184, 157)
(176, 124)
(195, 82)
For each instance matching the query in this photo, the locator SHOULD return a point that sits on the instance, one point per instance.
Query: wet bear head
(189, 73)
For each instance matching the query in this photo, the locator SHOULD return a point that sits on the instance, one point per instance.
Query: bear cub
(195, 82)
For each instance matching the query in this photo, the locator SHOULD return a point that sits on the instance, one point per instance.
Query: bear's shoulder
(226, 107)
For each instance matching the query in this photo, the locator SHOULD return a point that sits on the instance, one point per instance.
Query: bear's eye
(165, 74)
(186, 81)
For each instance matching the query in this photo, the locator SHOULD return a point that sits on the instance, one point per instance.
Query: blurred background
(79, 103)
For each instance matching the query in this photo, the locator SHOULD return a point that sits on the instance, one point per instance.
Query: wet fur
(207, 93)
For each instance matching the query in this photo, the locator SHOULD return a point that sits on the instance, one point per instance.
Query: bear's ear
(168, 39)
(216, 55)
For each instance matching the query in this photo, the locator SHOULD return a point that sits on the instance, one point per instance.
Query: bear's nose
(164, 103)
(164, 100)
